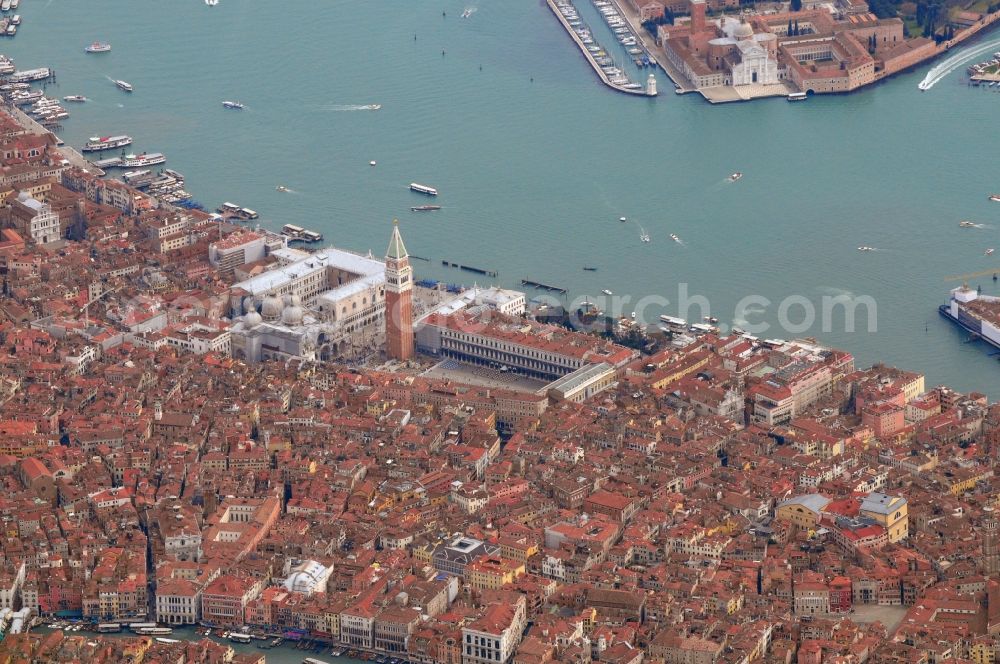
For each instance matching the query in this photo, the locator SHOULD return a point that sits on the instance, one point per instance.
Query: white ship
(144, 159)
(30, 75)
(97, 144)
(98, 47)
(423, 189)
(127, 87)
(234, 104)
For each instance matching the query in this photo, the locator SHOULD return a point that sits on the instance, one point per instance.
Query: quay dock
(542, 286)
(642, 92)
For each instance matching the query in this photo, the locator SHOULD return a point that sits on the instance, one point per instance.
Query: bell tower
(398, 298)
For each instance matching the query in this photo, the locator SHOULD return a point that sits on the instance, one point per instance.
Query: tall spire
(396, 248)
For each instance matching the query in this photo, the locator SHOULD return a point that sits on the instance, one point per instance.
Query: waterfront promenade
(68, 152)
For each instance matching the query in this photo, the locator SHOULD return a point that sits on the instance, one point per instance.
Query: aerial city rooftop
(207, 428)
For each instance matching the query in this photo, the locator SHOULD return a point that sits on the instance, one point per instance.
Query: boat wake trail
(950, 64)
(351, 107)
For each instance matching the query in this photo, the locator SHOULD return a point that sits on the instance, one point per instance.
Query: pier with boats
(600, 60)
(298, 234)
(985, 74)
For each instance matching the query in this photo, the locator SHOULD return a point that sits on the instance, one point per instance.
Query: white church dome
(743, 31)
(271, 308)
(292, 315)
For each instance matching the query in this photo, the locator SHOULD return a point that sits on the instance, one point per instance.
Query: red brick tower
(398, 299)
(697, 16)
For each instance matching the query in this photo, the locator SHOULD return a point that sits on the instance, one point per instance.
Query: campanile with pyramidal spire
(398, 298)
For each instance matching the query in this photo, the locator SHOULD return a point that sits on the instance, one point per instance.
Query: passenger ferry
(74, 98)
(797, 96)
(423, 189)
(31, 75)
(313, 660)
(292, 231)
(5, 6)
(144, 159)
(425, 208)
(127, 87)
(15, 19)
(239, 637)
(671, 321)
(107, 628)
(153, 631)
(96, 144)
(98, 47)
